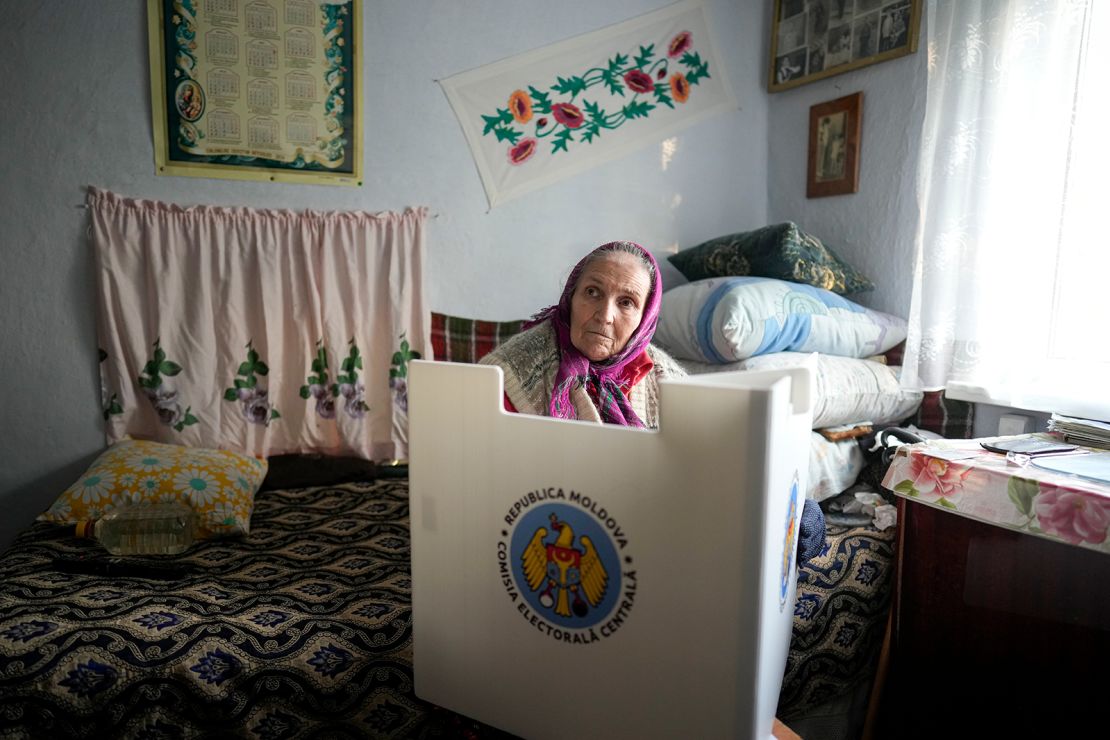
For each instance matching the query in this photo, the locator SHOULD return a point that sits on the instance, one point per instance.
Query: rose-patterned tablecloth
(985, 486)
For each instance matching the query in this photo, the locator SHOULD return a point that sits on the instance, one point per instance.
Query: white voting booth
(576, 579)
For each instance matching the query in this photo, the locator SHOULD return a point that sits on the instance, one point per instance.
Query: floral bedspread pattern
(987, 487)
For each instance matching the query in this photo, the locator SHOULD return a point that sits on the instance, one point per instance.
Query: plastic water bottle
(143, 529)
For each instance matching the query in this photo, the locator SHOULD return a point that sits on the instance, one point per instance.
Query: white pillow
(846, 390)
(728, 319)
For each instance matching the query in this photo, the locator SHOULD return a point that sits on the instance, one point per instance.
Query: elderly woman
(590, 356)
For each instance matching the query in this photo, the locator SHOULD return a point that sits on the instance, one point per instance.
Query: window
(1011, 300)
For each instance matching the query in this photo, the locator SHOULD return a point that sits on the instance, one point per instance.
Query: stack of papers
(1086, 432)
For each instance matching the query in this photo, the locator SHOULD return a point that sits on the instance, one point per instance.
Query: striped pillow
(457, 339)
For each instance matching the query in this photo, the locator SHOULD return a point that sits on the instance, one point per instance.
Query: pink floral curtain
(263, 331)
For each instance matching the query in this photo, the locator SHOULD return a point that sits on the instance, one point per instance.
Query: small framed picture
(814, 39)
(834, 138)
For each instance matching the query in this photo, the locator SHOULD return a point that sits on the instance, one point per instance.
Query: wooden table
(1001, 615)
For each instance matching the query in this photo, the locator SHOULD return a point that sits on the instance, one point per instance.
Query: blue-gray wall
(76, 112)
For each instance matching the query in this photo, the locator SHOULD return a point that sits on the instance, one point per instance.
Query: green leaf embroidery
(541, 101)
(639, 109)
(230, 394)
(947, 504)
(169, 368)
(662, 95)
(906, 487)
(643, 59)
(560, 141)
(159, 354)
(698, 68)
(240, 383)
(274, 414)
(244, 368)
(569, 85)
(504, 133)
(304, 391)
(503, 117)
(613, 83)
(261, 368)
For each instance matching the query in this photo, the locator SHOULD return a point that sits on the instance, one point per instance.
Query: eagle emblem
(573, 578)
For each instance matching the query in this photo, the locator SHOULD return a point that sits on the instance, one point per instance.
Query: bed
(300, 629)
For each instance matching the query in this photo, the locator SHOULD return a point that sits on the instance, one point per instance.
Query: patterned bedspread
(839, 618)
(302, 629)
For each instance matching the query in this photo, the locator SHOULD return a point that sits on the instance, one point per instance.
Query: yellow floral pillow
(219, 485)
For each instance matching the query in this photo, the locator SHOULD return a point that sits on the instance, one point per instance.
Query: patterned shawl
(576, 368)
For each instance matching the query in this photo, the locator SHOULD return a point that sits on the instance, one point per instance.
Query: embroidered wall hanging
(545, 115)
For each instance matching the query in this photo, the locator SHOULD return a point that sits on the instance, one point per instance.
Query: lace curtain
(1010, 260)
(262, 331)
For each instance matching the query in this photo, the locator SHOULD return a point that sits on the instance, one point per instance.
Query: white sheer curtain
(257, 330)
(1010, 302)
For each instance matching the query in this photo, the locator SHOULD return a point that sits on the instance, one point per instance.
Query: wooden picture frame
(834, 139)
(815, 39)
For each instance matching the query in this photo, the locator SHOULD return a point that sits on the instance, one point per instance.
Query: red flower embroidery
(680, 88)
(568, 114)
(638, 81)
(679, 44)
(520, 105)
(661, 74)
(521, 152)
(541, 123)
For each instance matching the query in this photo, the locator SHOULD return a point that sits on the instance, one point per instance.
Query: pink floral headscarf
(576, 368)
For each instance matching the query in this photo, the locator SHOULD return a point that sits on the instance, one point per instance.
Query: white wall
(874, 228)
(76, 112)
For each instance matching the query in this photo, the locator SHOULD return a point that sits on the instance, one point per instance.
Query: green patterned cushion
(782, 251)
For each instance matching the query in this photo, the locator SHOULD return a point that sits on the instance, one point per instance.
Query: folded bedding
(847, 390)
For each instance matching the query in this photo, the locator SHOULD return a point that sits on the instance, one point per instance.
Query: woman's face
(607, 304)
